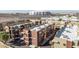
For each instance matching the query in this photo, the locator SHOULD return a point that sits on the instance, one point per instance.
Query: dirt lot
(2, 45)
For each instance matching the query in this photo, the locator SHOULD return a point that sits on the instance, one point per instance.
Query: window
(53, 43)
(64, 44)
(78, 43)
(73, 43)
(58, 42)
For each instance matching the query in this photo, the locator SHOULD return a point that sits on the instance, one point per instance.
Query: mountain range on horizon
(26, 11)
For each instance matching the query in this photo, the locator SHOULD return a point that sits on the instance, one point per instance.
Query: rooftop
(69, 33)
(39, 27)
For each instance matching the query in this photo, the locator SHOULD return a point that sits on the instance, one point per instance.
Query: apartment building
(41, 33)
(33, 33)
(66, 38)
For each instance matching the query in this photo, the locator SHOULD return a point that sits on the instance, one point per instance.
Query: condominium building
(66, 37)
(33, 34)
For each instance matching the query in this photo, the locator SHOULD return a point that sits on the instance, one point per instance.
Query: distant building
(40, 13)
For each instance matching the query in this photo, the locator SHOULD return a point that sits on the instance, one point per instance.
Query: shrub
(5, 37)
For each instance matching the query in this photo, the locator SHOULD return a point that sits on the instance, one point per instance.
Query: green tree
(60, 19)
(5, 37)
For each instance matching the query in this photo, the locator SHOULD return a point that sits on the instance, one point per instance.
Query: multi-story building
(41, 33)
(33, 34)
(66, 37)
